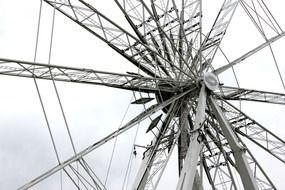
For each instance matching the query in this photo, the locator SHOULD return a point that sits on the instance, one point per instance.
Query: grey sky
(94, 111)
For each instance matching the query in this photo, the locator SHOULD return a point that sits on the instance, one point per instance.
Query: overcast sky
(93, 111)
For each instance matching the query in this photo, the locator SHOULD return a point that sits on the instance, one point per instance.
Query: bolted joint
(201, 136)
(239, 148)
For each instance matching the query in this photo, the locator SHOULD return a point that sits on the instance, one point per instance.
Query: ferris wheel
(191, 86)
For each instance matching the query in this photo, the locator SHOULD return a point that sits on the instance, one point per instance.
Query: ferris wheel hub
(211, 81)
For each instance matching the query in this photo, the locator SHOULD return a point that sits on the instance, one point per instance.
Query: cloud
(93, 111)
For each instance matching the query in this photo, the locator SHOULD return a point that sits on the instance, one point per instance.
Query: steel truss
(131, 81)
(232, 93)
(167, 44)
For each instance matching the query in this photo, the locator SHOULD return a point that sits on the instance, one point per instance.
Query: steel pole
(187, 175)
(243, 167)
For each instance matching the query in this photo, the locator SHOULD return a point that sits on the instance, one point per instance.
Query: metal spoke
(190, 32)
(115, 36)
(213, 39)
(233, 93)
(142, 23)
(260, 176)
(167, 40)
(254, 131)
(243, 167)
(88, 76)
(176, 85)
(157, 154)
(187, 175)
(217, 157)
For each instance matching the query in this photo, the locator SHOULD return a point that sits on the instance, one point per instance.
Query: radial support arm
(156, 157)
(217, 158)
(188, 172)
(233, 93)
(220, 176)
(81, 75)
(254, 131)
(263, 181)
(144, 25)
(191, 18)
(217, 171)
(215, 36)
(105, 29)
(238, 150)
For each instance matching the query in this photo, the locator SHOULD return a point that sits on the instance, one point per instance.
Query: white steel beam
(188, 172)
(133, 82)
(234, 93)
(243, 167)
(151, 155)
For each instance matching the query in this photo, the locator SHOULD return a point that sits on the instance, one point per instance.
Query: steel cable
(115, 143)
(39, 94)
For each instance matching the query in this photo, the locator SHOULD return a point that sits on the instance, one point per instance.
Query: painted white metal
(243, 167)
(188, 172)
(211, 81)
